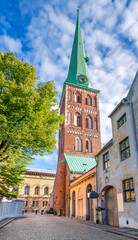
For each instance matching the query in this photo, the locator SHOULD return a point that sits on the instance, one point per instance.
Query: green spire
(78, 60)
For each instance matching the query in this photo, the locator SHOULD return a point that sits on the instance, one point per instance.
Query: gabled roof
(80, 164)
(109, 143)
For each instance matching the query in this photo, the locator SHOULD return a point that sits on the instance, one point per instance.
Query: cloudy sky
(41, 33)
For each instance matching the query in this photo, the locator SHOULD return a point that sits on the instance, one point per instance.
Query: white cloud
(10, 44)
(129, 26)
(113, 62)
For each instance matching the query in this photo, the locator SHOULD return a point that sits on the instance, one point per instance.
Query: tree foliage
(29, 118)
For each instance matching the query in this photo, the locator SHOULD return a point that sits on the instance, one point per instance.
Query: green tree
(29, 119)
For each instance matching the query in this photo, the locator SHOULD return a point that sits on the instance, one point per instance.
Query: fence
(11, 209)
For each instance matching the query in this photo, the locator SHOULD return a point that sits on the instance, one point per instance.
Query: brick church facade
(79, 137)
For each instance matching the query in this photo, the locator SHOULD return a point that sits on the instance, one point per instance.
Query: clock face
(82, 78)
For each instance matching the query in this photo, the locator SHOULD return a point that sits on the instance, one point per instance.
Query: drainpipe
(133, 126)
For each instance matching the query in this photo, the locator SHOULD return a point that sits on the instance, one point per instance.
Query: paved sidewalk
(5, 222)
(48, 227)
(128, 232)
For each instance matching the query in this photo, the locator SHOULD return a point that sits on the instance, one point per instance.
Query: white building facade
(117, 172)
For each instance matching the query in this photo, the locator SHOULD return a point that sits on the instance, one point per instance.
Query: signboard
(94, 195)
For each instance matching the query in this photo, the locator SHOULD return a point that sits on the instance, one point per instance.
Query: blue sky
(41, 33)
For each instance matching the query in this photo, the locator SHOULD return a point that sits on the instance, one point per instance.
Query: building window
(88, 122)
(46, 203)
(36, 190)
(46, 191)
(70, 118)
(26, 190)
(43, 203)
(88, 146)
(78, 120)
(88, 100)
(36, 203)
(128, 188)
(121, 121)
(70, 95)
(125, 149)
(95, 123)
(94, 102)
(106, 161)
(26, 204)
(78, 97)
(33, 203)
(79, 145)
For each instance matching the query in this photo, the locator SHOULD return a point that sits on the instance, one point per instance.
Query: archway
(109, 202)
(89, 204)
(61, 212)
(73, 204)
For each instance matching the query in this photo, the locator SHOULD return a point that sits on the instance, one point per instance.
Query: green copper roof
(78, 64)
(80, 164)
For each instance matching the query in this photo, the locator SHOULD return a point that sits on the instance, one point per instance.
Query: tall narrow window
(95, 123)
(125, 149)
(70, 118)
(33, 203)
(36, 203)
(43, 203)
(46, 191)
(78, 144)
(88, 100)
(121, 121)
(78, 97)
(26, 190)
(88, 146)
(106, 161)
(129, 192)
(36, 190)
(46, 203)
(88, 122)
(26, 204)
(70, 95)
(78, 120)
(94, 102)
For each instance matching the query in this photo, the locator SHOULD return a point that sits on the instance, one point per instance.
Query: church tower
(80, 133)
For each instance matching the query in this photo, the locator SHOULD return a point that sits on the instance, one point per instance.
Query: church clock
(82, 78)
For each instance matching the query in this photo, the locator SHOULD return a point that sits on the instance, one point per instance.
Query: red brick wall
(67, 138)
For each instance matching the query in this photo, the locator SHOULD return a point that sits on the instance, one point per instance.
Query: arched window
(46, 191)
(78, 144)
(77, 120)
(88, 146)
(70, 118)
(95, 123)
(94, 102)
(88, 122)
(88, 100)
(78, 97)
(26, 190)
(36, 190)
(70, 95)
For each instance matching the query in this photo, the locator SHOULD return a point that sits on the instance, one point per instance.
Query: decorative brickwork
(80, 132)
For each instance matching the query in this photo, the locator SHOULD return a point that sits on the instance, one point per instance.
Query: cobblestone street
(49, 227)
